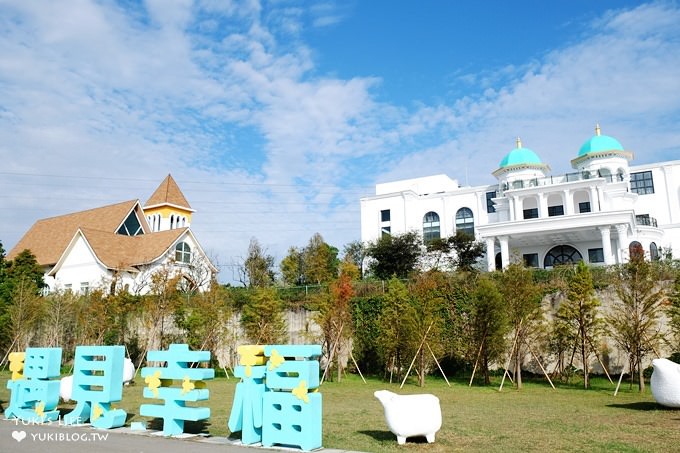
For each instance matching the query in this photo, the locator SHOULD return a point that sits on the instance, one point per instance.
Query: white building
(121, 245)
(597, 213)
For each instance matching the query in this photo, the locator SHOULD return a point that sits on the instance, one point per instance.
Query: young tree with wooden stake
(488, 325)
(523, 301)
(634, 319)
(397, 325)
(579, 313)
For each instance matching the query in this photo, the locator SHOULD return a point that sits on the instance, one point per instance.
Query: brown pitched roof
(48, 238)
(168, 193)
(117, 251)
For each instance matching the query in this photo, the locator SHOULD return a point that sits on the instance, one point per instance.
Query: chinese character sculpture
(288, 401)
(246, 410)
(34, 397)
(159, 385)
(97, 382)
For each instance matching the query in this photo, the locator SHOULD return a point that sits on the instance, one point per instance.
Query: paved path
(56, 438)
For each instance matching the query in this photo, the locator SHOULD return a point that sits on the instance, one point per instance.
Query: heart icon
(19, 435)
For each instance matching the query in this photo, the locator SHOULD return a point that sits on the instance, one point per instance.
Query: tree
(262, 317)
(394, 255)
(461, 251)
(634, 318)
(579, 316)
(335, 317)
(321, 261)
(160, 303)
(205, 319)
(429, 316)
(523, 300)
(466, 251)
(674, 313)
(25, 266)
(397, 326)
(258, 268)
(315, 264)
(488, 324)
(355, 252)
(293, 267)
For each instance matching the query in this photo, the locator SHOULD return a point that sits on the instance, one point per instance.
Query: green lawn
(537, 418)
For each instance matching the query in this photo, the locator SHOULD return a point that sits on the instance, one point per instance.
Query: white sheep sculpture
(665, 382)
(411, 415)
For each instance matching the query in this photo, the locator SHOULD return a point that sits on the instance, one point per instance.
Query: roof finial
(519, 142)
(597, 129)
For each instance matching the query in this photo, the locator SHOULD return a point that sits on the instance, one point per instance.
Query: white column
(606, 244)
(518, 208)
(505, 251)
(622, 230)
(594, 205)
(568, 203)
(542, 205)
(490, 254)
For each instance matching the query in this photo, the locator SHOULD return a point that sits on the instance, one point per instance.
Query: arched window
(465, 221)
(499, 261)
(635, 250)
(653, 252)
(172, 222)
(561, 254)
(183, 253)
(430, 227)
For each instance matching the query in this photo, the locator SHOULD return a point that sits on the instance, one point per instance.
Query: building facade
(598, 213)
(121, 246)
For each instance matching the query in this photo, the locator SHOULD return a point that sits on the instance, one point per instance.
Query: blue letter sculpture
(97, 382)
(282, 411)
(291, 415)
(246, 410)
(34, 397)
(159, 380)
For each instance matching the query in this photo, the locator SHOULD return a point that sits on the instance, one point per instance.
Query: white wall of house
(617, 214)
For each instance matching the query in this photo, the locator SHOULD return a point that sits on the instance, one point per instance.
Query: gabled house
(120, 245)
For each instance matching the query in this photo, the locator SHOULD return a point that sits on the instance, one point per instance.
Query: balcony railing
(646, 220)
(559, 179)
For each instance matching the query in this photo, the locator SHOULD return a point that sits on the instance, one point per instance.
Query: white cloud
(109, 100)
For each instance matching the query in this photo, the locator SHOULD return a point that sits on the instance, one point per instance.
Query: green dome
(520, 156)
(599, 143)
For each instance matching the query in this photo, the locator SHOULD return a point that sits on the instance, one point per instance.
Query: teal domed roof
(599, 143)
(520, 156)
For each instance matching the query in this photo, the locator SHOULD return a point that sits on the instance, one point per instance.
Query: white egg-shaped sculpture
(128, 370)
(66, 388)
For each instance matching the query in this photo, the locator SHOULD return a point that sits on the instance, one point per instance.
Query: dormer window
(131, 226)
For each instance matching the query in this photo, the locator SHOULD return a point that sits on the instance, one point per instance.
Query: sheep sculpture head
(665, 382)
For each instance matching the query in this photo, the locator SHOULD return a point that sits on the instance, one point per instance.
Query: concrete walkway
(16, 436)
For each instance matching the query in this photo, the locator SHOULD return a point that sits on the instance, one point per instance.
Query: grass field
(537, 418)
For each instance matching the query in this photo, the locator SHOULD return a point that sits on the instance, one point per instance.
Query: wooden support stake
(598, 359)
(620, 379)
(437, 362)
(357, 365)
(539, 364)
(512, 350)
(416, 355)
(474, 369)
(330, 356)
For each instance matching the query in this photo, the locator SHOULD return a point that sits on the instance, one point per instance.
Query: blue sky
(275, 117)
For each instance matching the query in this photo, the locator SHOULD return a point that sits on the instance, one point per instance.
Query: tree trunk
(518, 368)
(641, 374)
(584, 359)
